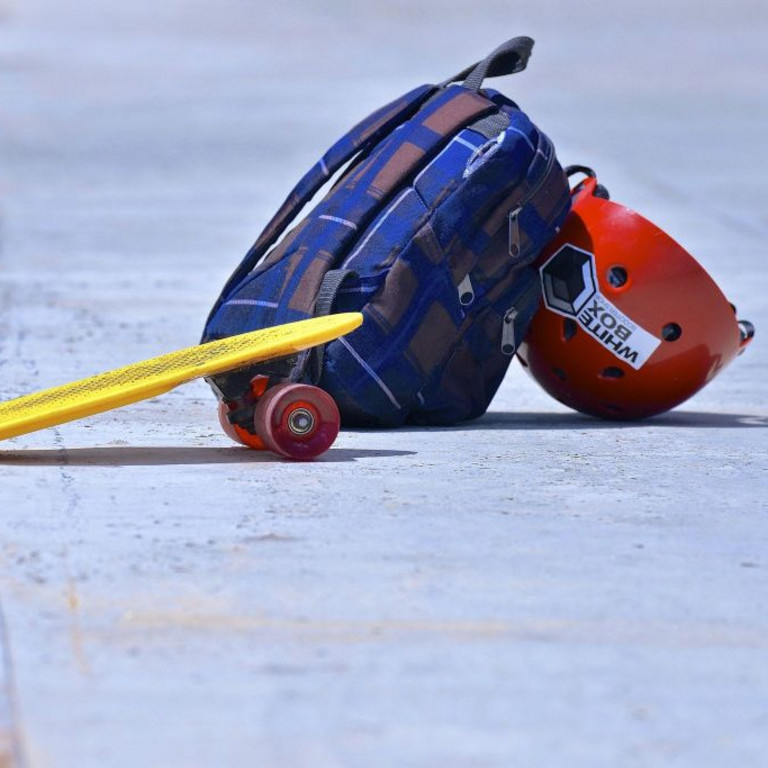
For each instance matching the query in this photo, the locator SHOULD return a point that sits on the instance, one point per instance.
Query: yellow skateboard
(294, 420)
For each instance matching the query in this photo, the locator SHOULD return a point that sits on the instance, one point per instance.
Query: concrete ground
(533, 589)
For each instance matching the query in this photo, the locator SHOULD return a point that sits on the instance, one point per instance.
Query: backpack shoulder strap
(366, 133)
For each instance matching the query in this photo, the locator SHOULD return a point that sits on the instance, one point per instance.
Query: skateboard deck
(157, 375)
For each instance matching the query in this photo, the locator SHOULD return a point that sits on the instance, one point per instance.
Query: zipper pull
(514, 232)
(508, 344)
(466, 292)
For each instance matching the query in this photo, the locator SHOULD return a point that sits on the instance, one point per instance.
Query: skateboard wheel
(297, 421)
(237, 433)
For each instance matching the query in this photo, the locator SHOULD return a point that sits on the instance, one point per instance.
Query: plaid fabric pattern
(421, 219)
(360, 138)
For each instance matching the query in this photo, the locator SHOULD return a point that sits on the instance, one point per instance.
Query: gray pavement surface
(533, 589)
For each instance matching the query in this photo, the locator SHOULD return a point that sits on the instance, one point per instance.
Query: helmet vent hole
(617, 276)
(671, 332)
(612, 373)
(560, 373)
(569, 329)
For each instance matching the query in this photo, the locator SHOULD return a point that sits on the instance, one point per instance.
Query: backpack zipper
(508, 345)
(514, 243)
(466, 292)
(508, 341)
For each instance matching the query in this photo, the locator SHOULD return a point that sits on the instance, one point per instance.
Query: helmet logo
(570, 289)
(568, 279)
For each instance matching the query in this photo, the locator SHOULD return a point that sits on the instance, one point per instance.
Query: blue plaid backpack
(447, 196)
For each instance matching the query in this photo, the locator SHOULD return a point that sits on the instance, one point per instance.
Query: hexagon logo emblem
(568, 280)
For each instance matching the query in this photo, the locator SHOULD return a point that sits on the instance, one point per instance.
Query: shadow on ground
(135, 456)
(681, 419)
(521, 420)
(171, 455)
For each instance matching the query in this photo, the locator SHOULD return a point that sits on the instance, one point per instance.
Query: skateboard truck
(297, 421)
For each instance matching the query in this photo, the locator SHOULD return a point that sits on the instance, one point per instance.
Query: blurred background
(161, 110)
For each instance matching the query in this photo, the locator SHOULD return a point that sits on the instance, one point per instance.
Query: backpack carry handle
(507, 59)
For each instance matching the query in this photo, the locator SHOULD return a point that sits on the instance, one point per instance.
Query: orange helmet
(630, 324)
